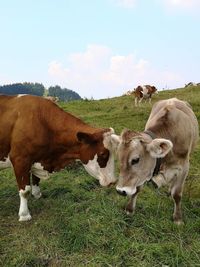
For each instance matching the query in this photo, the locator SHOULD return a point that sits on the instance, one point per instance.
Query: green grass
(79, 223)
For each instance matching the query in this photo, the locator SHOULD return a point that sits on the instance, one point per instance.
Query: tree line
(38, 89)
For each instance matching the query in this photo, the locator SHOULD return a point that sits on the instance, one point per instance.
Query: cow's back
(8, 116)
(23, 117)
(174, 119)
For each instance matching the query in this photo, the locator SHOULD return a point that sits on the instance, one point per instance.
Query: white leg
(136, 101)
(140, 100)
(24, 214)
(36, 191)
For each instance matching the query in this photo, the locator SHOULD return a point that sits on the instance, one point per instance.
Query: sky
(100, 48)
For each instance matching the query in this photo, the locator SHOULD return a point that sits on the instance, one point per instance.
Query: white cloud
(56, 69)
(125, 3)
(182, 3)
(4, 79)
(99, 73)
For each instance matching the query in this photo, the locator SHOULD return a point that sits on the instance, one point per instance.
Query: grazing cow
(160, 153)
(129, 92)
(190, 84)
(38, 137)
(54, 99)
(144, 92)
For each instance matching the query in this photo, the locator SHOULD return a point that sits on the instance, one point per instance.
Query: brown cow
(38, 137)
(144, 92)
(160, 153)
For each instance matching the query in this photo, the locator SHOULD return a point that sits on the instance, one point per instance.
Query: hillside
(38, 89)
(79, 223)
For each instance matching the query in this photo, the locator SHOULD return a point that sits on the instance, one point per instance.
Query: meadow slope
(79, 223)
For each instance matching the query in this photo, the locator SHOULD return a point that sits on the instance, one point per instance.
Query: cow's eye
(135, 161)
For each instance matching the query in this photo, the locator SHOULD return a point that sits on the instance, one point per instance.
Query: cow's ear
(115, 140)
(159, 147)
(86, 138)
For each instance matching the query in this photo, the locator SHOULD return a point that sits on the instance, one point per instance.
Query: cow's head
(97, 155)
(137, 154)
(154, 90)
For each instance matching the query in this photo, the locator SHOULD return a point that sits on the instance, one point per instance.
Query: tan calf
(170, 135)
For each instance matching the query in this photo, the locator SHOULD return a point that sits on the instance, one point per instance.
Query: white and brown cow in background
(190, 84)
(54, 99)
(37, 137)
(161, 152)
(144, 92)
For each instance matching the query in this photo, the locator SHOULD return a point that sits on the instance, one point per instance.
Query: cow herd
(37, 138)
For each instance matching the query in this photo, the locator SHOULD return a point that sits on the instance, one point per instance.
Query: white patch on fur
(38, 170)
(105, 175)
(20, 95)
(36, 191)
(145, 91)
(5, 164)
(129, 191)
(24, 214)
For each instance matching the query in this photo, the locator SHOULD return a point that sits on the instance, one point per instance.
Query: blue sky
(100, 48)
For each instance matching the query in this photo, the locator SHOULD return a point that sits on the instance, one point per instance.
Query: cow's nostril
(122, 193)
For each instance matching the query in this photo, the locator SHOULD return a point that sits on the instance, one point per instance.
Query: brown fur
(34, 129)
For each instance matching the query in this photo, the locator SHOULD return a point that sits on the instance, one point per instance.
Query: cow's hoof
(179, 222)
(36, 191)
(129, 211)
(25, 218)
(37, 196)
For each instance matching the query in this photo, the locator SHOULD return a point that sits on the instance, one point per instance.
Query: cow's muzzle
(121, 192)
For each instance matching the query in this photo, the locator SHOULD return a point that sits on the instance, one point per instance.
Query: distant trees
(63, 94)
(23, 88)
(39, 90)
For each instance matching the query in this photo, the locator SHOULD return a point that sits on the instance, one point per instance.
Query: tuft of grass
(78, 223)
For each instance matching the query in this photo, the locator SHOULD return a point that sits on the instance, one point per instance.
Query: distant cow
(190, 84)
(38, 137)
(54, 99)
(144, 92)
(161, 152)
(129, 92)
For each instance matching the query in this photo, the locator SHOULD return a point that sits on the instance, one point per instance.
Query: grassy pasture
(79, 223)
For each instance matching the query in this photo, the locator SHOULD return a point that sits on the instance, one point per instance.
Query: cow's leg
(35, 187)
(130, 207)
(24, 214)
(176, 193)
(140, 100)
(150, 99)
(22, 173)
(136, 101)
